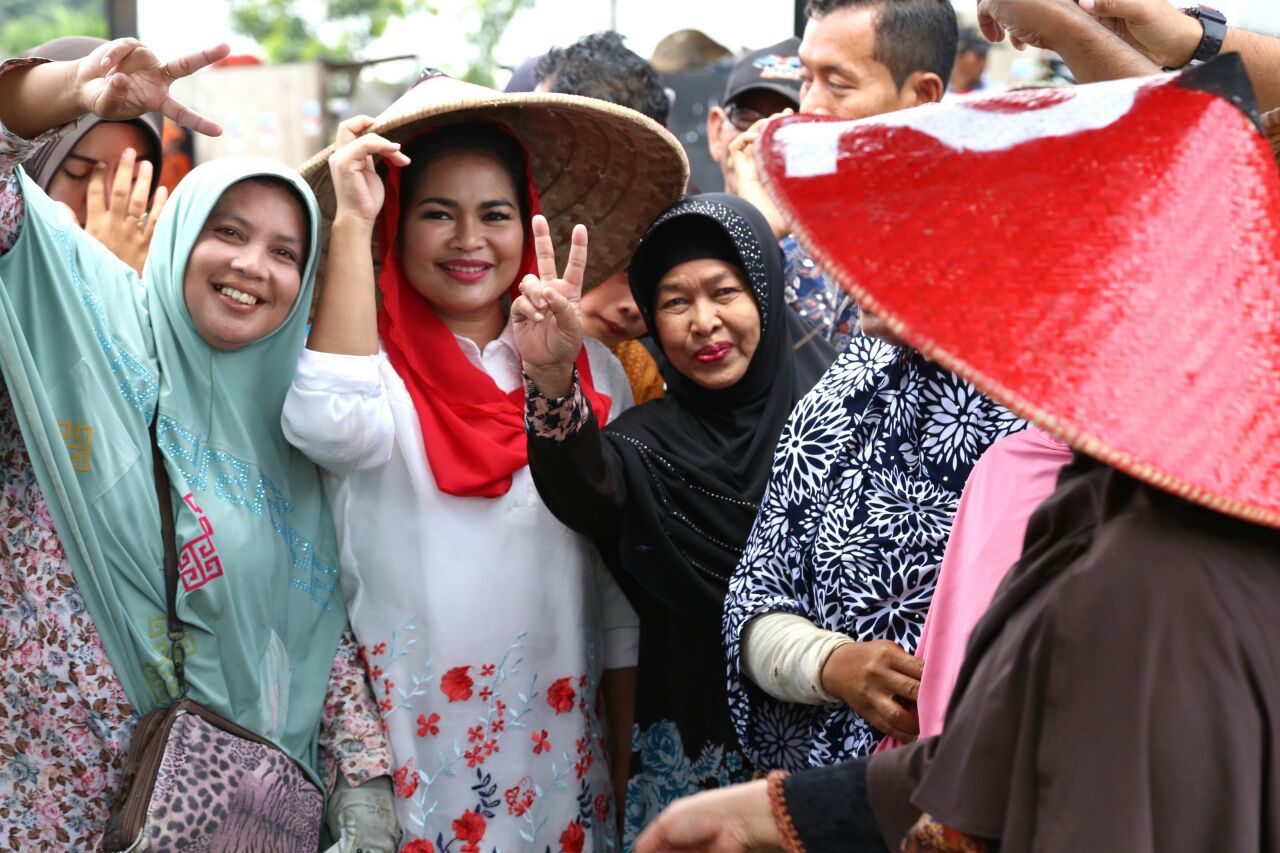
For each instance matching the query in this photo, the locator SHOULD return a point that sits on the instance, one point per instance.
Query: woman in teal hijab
(196, 356)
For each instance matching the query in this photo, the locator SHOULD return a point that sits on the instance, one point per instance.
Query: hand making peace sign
(546, 318)
(123, 79)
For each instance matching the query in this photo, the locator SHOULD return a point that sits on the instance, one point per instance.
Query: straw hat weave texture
(599, 164)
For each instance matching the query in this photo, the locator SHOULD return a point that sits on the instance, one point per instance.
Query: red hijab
(473, 431)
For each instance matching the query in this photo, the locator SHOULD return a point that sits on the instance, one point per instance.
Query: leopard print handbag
(196, 781)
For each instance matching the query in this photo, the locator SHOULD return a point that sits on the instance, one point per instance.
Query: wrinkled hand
(356, 184)
(123, 79)
(363, 818)
(1035, 23)
(1155, 28)
(121, 221)
(742, 161)
(880, 682)
(546, 318)
(728, 820)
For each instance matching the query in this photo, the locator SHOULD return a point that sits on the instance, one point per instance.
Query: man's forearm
(1094, 53)
(1261, 55)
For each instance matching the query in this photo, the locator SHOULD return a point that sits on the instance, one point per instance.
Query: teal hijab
(95, 358)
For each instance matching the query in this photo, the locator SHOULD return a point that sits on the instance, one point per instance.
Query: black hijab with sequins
(696, 462)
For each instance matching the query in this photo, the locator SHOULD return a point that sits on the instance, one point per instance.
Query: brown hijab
(1123, 691)
(44, 163)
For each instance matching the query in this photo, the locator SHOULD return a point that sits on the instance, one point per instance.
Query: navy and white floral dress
(852, 528)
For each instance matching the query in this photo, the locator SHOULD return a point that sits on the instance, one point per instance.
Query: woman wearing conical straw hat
(488, 627)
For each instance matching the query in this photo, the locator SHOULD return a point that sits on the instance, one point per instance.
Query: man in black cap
(859, 58)
(763, 83)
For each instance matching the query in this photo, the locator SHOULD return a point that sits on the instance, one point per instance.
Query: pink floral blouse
(65, 722)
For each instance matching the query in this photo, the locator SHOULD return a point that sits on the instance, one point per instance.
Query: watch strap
(1214, 24)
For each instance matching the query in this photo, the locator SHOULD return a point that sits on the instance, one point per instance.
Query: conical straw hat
(1105, 260)
(599, 164)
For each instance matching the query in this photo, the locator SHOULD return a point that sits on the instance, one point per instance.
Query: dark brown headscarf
(1123, 691)
(44, 163)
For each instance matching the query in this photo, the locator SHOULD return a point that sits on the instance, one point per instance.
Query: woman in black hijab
(670, 489)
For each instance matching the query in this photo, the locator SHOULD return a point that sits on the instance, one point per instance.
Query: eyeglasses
(743, 118)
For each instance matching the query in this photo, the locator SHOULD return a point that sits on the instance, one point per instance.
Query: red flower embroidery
(540, 742)
(385, 706)
(485, 694)
(475, 734)
(603, 804)
(388, 685)
(560, 695)
(582, 745)
(486, 671)
(428, 725)
(582, 681)
(470, 827)
(497, 726)
(456, 684)
(380, 649)
(418, 845)
(406, 780)
(572, 838)
(519, 797)
(375, 673)
(474, 756)
(491, 746)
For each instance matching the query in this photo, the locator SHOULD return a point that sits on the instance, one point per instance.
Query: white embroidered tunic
(485, 623)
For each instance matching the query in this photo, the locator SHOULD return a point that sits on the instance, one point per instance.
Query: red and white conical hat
(1105, 260)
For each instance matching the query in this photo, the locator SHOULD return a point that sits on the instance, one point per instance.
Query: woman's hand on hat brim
(123, 79)
(357, 187)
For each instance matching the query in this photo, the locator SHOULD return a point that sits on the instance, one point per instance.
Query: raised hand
(122, 221)
(546, 318)
(1156, 27)
(742, 160)
(356, 184)
(123, 79)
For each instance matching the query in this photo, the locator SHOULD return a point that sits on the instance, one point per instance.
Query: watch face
(1212, 14)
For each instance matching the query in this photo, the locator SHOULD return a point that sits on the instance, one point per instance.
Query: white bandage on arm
(784, 654)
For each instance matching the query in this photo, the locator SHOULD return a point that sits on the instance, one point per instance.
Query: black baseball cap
(775, 68)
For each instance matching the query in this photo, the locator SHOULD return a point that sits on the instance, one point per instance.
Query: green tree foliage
(27, 23)
(287, 33)
(494, 17)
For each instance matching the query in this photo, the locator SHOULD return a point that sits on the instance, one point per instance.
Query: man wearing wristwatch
(1107, 39)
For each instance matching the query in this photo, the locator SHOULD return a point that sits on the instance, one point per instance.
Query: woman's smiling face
(707, 321)
(245, 270)
(462, 238)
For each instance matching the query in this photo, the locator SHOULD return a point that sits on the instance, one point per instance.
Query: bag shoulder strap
(177, 652)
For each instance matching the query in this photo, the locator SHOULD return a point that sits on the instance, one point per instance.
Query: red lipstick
(713, 352)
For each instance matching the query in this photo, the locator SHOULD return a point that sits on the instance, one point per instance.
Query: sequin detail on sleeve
(554, 418)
